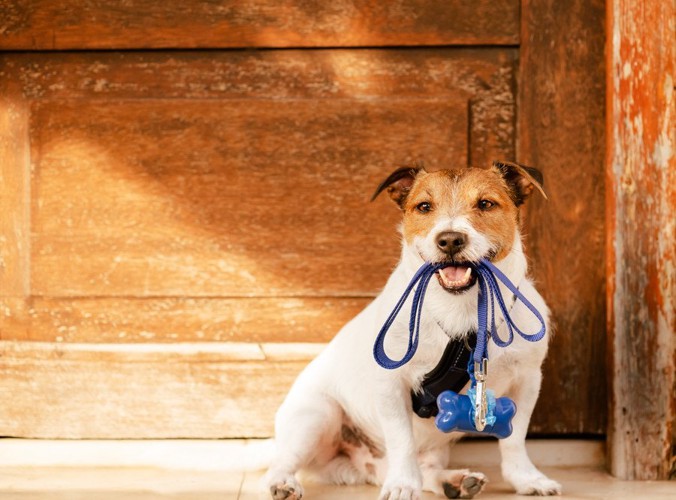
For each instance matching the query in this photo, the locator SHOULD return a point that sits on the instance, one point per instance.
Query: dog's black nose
(451, 242)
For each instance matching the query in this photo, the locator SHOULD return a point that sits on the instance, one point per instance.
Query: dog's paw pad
(451, 491)
(542, 486)
(281, 485)
(470, 485)
(285, 492)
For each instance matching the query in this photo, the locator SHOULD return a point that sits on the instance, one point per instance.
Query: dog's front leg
(517, 469)
(403, 480)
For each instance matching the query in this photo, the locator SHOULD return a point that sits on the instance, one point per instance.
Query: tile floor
(138, 479)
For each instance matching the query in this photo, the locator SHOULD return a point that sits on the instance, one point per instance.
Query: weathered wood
(126, 320)
(141, 391)
(78, 103)
(265, 74)
(236, 198)
(129, 152)
(485, 77)
(641, 203)
(560, 130)
(100, 24)
(14, 189)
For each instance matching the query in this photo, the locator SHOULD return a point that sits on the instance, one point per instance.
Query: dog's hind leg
(306, 427)
(451, 483)
(517, 469)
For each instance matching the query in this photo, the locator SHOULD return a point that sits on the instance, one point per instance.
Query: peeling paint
(641, 173)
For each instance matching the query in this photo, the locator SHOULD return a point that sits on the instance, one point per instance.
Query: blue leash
(489, 291)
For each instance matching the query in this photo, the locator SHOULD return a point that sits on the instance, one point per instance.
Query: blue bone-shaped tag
(456, 413)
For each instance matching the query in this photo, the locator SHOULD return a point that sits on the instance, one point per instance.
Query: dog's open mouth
(457, 277)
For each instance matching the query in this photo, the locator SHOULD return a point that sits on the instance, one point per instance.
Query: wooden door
(182, 229)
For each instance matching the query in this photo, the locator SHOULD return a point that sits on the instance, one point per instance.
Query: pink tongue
(454, 273)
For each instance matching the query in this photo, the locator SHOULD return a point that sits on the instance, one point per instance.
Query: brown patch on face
(435, 189)
(480, 195)
(499, 222)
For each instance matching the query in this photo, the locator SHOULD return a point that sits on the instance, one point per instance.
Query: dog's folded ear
(521, 179)
(398, 184)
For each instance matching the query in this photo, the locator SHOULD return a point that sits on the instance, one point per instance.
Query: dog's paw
(400, 493)
(284, 487)
(286, 491)
(527, 480)
(469, 485)
(401, 489)
(539, 486)
(402, 483)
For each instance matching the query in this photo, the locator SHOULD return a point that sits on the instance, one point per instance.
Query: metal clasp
(480, 402)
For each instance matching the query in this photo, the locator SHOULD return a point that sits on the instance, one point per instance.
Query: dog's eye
(485, 204)
(423, 207)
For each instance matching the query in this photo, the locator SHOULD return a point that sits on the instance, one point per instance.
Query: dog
(349, 421)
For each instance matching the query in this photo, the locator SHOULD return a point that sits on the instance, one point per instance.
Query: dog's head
(461, 215)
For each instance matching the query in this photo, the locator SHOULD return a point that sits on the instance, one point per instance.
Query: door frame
(611, 112)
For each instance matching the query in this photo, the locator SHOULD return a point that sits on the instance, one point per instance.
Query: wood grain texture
(265, 74)
(182, 319)
(135, 24)
(236, 198)
(485, 77)
(75, 391)
(641, 202)
(141, 154)
(561, 131)
(14, 188)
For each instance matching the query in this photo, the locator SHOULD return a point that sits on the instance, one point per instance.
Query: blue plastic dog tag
(456, 413)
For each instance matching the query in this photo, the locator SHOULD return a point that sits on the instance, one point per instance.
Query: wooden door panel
(100, 24)
(482, 74)
(119, 238)
(159, 206)
(14, 198)
(484, 77)
(561, 130)
(236, 198)
(76, 391)
(178, 319)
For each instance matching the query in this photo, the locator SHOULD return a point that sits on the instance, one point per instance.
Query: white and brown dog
(351, 421)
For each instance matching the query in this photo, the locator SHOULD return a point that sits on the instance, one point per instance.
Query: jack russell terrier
(349, 421)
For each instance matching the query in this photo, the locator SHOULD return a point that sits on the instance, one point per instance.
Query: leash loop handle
(422, 276)
(489, 292)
